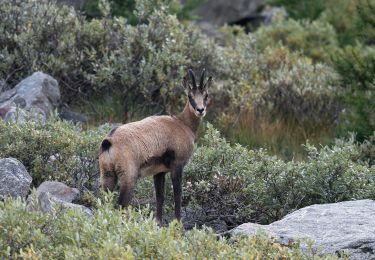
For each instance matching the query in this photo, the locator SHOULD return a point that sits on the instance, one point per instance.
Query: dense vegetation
(227, 181)
(277, 87)
(115, 234)
(288, 87)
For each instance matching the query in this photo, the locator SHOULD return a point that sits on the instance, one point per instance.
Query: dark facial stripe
(192, 102)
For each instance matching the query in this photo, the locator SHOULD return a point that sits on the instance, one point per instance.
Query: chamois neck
(190, 119)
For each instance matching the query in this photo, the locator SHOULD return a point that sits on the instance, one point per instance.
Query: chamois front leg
(159, 180)
(127, 180)
(176, 175)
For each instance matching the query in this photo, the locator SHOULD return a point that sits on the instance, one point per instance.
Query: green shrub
(299, 9)
(316, 39)
(37, 36)
(352, 20)
(227, 181)
(243, 185)
(126, 8)
(57, 150)
(141, 62)
(365, 22)
(367, 150)
(116, 234)
(275, 94)
(154, 56)
(356, 64)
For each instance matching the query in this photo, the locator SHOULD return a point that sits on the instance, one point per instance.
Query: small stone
(47, 202)
(58, 190)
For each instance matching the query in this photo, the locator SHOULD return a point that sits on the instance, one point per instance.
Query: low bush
(142, 64)
(356, 65)
(117, 234)
(57, 150)
(278, 91)
(351, 20)
(305, 9)
(126, 8)
(229, 182)
(141, 61)
(242, 185)
(316, 39)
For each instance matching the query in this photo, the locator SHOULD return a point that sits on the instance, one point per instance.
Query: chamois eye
(206, 97)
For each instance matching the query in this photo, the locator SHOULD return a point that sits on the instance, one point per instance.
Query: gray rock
(218, 225)
(67, 114)
(15, 181)
(58, 190)
(38, 94)
(335, 228)
(219, 12)
(47, 202)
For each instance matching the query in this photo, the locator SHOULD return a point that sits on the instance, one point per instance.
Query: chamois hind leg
(159, 180)
(127, 180)
(176, 175)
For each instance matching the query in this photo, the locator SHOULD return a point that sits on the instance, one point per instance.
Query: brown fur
(152, 147)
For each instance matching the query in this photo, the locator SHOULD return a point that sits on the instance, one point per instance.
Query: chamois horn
(192, 77)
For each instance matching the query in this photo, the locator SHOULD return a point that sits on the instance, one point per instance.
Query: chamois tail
(108, 177)
(105, 151)
(106, 144)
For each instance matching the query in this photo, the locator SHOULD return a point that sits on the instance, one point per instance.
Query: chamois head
(197, 94)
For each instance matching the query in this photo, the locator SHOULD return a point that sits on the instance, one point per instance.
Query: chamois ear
(208, 83)
(185, 83)
(201, 83)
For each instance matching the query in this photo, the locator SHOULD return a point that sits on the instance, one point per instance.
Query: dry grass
(282, 137)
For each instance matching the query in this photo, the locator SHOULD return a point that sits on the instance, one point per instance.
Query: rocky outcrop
(335, 228)
(15, 181)
(36, 97)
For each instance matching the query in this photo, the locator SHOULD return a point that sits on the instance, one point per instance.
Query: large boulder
(58, 190)
(38, 95)
(335, 228)
(14, 179)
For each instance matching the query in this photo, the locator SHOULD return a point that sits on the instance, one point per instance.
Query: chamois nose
(200, 110)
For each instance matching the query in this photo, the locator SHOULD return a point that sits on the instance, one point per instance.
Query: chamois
(154, 146)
